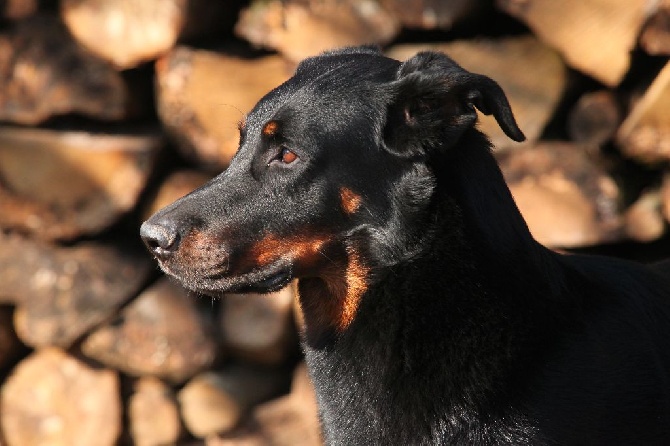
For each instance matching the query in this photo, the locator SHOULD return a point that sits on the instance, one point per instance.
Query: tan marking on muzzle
(198, 246)
(200, 253)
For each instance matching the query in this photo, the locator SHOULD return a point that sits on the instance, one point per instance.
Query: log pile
(111, 109)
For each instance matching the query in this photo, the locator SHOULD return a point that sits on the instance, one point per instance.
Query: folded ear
(435, 101)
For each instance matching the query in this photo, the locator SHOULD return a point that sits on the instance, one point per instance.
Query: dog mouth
(264, 280)
(270, 284)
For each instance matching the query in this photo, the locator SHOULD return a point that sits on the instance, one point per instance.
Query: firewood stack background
(111, 109)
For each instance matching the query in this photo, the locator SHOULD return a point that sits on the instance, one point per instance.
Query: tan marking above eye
(349, 200)
(270, 128)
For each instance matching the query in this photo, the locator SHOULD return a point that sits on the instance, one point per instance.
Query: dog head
(331, 182)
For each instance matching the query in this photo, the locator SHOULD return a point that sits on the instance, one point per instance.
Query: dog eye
(286, 156)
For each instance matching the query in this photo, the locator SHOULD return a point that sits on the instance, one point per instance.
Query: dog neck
(447, 321)
(493, 225)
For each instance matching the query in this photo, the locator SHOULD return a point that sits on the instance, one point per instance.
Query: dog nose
(162, 239)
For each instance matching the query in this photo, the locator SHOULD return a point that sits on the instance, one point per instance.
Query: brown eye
(287, 157)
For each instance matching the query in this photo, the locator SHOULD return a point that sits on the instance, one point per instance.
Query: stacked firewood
(111, 109)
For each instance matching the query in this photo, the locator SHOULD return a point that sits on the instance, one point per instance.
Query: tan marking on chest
(339, 278)
(333, 300)
(349, 200)
(356, 276)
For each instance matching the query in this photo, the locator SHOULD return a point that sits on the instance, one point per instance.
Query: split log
(54, 399)
(595, 36)
(655, 38)
(62, 185)
(153, 414)
(259, 327)
(645, 133)
(595, 118)
(643, 219)
(175, 186)
(18, 9)
(202, 96)
(43, 72)
(290, 420)
(299, 29)
(214, 403)
(148, 336)
(62, 292)
(567, 199)
(431, 14)
(531, 74)
(125, 32)
(130, 32)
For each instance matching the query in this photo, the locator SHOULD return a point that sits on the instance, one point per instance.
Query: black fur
(432, 316)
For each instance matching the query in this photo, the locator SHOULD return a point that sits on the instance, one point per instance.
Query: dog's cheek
(350, 201)
(304, 251)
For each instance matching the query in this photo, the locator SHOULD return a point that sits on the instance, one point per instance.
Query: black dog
(432, 316)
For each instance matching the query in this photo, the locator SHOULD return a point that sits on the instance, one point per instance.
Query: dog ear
(434, 103)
